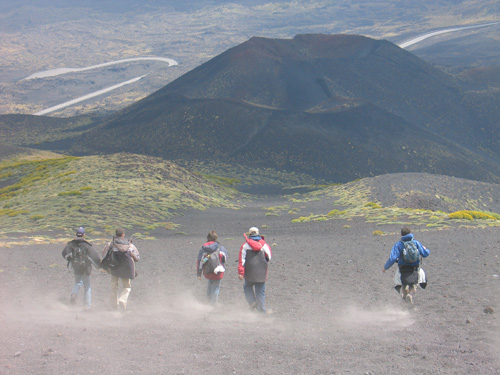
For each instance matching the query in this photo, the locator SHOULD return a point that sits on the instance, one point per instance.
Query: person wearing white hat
(254, 257)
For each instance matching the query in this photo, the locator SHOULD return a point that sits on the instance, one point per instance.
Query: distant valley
(35, 40)
(321, 98)
(335, 107)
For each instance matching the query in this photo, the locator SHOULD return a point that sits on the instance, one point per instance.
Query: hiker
(211, 259)
(409, 274)
(254, 256)
(80, 254)
(126, 255)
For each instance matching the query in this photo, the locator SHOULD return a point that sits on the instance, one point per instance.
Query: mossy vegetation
(471, 215)
(103, 192)
(144, 194)
(354, 199)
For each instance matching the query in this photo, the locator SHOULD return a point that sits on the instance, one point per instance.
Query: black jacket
(92, 255)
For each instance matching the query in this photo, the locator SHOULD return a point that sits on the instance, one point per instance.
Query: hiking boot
(72, 299)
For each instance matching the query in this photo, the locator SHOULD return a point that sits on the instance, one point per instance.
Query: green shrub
(16, 213)
(63, 193)
(86, 188)
(335, 213)
(471, 215)
(36, 217)
(378, 233)
(321, 218)
(372, 205)
(66, 173)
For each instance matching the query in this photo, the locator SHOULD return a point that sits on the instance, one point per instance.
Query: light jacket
(397, 249)
(209, 248)
(127, 255)
(253, 260)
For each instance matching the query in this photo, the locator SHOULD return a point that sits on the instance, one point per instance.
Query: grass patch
(125, 191)
(471, 215)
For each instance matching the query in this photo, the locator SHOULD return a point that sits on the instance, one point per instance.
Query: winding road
(419, 38)
(170, 62)
(56, 72)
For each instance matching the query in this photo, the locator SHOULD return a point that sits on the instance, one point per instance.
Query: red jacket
(210, 247)
(255, 253)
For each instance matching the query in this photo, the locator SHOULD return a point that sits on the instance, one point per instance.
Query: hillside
(44, 197)
(337, 107)
(53, 195)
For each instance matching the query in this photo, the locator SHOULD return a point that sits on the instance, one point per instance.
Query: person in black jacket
(81, 255)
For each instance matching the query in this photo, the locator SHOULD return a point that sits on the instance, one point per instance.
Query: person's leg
(87, 297)
(397, 281)
(76, 287)
(209, 289)
(114, 292)
(260, 293)
(249, 292)
(214, 295)
(408, 291)
(422, 278)
(127, 287)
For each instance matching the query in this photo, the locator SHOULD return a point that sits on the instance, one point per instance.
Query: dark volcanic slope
(334, 106)
(432, 192)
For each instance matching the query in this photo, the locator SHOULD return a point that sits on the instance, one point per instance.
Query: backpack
(410, 252)
(110, 260)
(211, 261)
(79, 259)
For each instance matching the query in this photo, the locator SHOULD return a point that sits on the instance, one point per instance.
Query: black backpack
(211, 261)
(110, 260)
(79, 259)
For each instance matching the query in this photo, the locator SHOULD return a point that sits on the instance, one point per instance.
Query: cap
(253, 231)
(80, 232)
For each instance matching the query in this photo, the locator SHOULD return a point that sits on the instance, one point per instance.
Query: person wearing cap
(80, 248)
(254, 257)
(127, 255)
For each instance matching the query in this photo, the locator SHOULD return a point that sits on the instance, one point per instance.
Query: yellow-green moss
(471, 215)
(372, 205)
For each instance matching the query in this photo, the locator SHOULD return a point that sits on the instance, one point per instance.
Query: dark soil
(331, 309)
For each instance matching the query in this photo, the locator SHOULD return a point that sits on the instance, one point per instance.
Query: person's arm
(105, 249)
(422, 250)
(223, 255)
(134, 253)
(267, 251)
(93, 254)
(394, 256)
(199, 269)
(241, 262)
(66, 253)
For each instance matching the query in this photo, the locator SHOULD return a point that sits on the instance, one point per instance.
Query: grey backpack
(410, 252)
(211, 261)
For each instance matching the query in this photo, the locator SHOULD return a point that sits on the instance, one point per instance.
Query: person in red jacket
(213, 274)
(255, 255)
